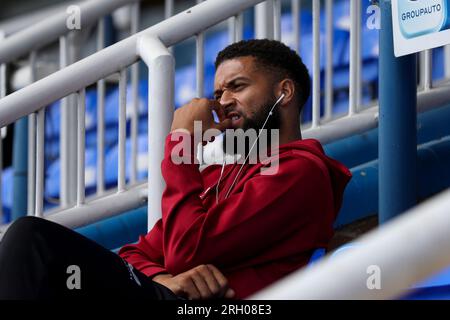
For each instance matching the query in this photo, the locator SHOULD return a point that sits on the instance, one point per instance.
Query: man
(227, 231)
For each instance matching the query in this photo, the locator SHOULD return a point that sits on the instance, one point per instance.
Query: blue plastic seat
(115, 232)
(111, 161)
(318, 254)
(112, 102)
(52, 179)
(7, 193)
(436, 287)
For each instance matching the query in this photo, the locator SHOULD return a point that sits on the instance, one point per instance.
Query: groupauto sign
(420, 25)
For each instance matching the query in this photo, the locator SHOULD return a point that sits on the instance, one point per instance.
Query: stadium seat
(7, 193)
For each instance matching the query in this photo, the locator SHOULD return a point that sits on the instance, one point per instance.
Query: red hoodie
(267, 227)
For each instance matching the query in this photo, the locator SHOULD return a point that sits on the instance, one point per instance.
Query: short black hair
(282, 61)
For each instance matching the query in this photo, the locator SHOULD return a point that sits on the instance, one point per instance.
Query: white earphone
(240, 169)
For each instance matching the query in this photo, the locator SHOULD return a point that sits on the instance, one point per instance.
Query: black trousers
(40, 259)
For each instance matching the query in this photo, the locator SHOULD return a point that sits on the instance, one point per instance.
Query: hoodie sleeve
(244, 224)
(146, 255)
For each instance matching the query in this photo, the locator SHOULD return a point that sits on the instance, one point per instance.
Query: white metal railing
(28, 41)
(447, 61)
(2, 94)
(403, 252)
(355, 57)
(316, 65)
(425, 70)
(200, 60)
(329, 63)
(73, 79)
(10, 26)
(50, 29)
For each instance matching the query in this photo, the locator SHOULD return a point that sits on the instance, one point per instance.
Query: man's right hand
(201, 282)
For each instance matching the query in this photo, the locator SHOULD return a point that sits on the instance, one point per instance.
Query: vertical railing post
(447, 60)
(71, 119)
(316, 65)
(31, 193)
(296, 23)
(358, 50)
(160, 113)
(329, 64)
(81, 138)
(135, 16)
(168, 8)
(277, 20)
(264, 24)
(101, 90)
(200, 61)
(232, 30)
(199, 64)
(64, 134)
(239, 19)
(425, 81)
(397, 124)
(122, 130)
(355, 57)
(239, 29)
(2, 94)
(1, 179)
(40, 151)
(235, 28)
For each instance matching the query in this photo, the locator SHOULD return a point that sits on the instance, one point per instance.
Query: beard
(237, 142)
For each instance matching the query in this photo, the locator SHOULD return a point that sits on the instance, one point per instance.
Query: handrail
(49, 30)
(161, 71)
(120, 55)
(15, 24)
(368, 118)
(384, 265)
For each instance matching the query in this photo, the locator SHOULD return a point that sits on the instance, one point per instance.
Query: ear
(286, 87)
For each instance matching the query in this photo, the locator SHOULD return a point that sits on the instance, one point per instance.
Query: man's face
(245, 91)
(247, 94)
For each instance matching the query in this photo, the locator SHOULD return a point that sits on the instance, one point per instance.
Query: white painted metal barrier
(2, 94)
(401, 253)
(29, 41)
(49, 30)
(160, 105)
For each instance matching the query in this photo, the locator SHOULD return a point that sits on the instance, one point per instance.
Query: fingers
(212, 282)
(190, 289)
(217, 107)
(206, 282)
(209, 283)
(199, 279)
(222, 281)
(224, 125)
(201, 282)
